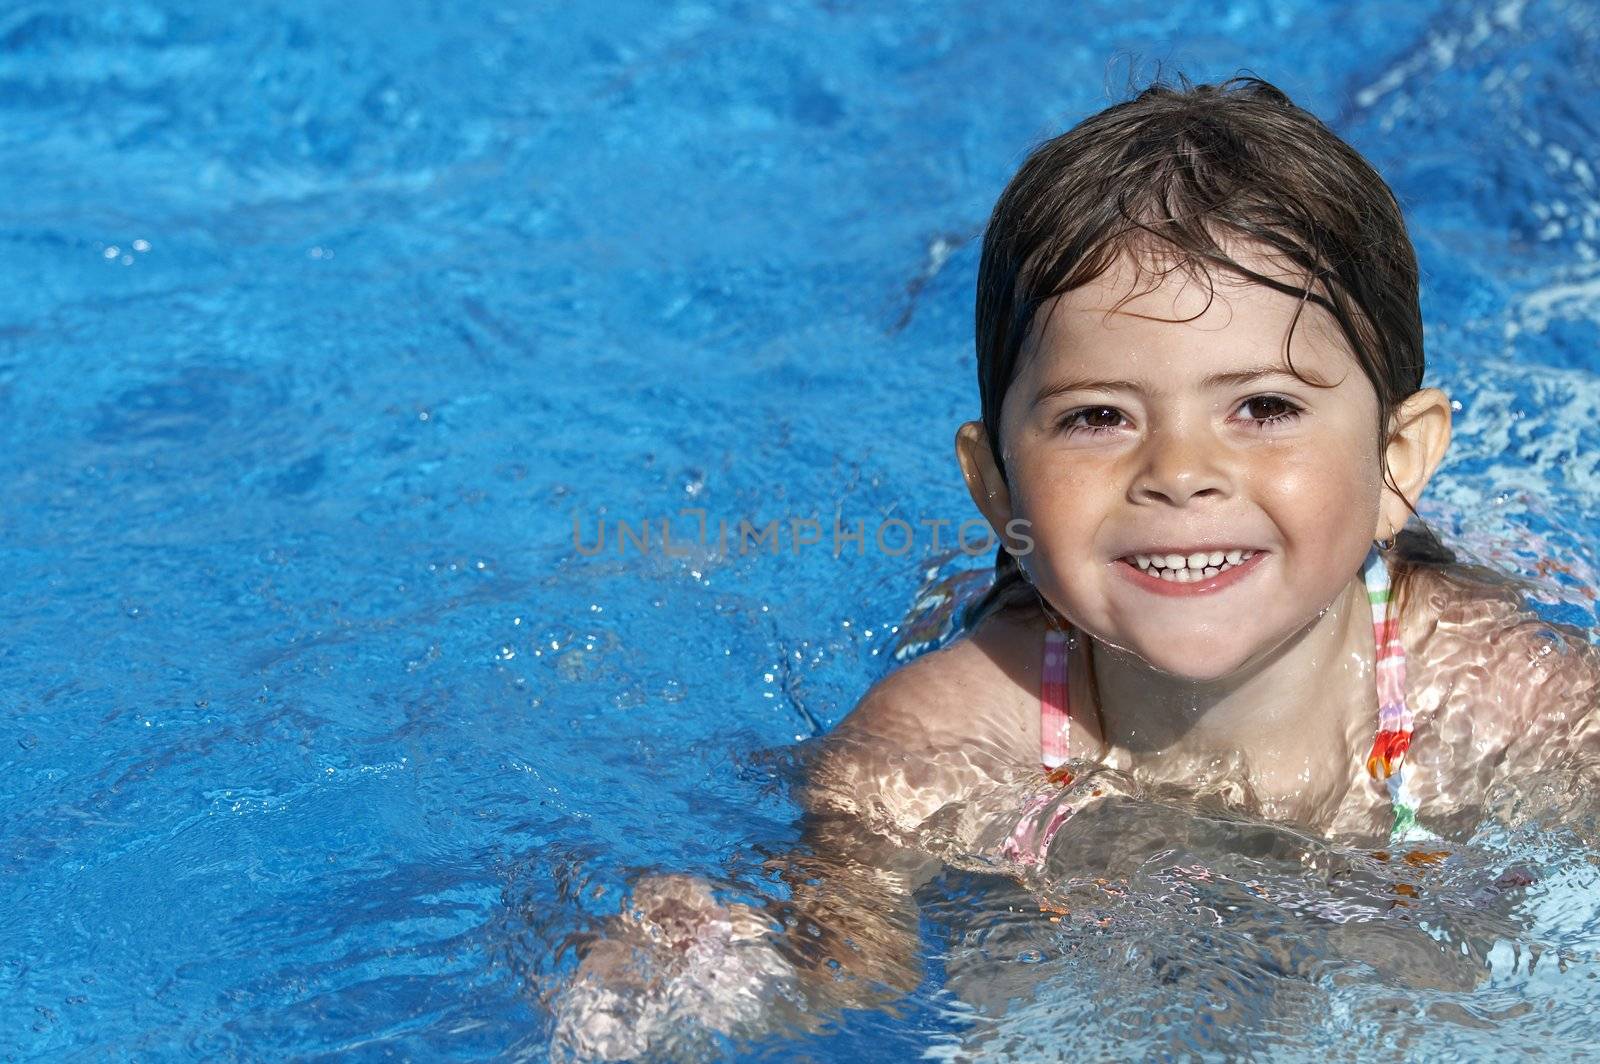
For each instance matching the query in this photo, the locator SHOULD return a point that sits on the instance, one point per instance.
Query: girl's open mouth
(1195, 573)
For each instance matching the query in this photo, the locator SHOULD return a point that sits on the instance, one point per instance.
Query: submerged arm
(851, 920)
(678, 960)
(1509, 695)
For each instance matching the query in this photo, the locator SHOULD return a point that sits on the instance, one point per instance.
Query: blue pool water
(323, 327)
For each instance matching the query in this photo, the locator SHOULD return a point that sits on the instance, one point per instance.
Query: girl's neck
(1293, 721)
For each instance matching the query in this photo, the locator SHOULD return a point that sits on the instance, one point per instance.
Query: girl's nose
(1178, 467)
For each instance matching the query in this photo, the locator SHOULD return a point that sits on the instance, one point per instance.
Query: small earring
(1385, 544)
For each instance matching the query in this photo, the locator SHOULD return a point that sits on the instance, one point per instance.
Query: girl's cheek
(1333, 487)
(1057, 481)
(1303, 487)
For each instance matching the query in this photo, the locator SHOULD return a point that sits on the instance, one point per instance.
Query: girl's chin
(1198, 663)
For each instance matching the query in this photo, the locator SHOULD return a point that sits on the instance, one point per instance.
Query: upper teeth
(1186, 567)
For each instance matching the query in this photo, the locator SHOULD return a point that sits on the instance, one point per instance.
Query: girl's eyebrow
(1234, 378)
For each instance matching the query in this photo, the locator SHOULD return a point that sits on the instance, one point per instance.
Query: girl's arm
(1507, 694)
(846, 937)
(850, 921)
(1548, 683)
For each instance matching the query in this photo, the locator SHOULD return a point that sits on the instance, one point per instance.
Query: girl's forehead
(1174, 308)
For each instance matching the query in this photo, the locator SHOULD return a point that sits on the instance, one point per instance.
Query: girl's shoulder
(976, 682)
(931, 730)
(1488, 679)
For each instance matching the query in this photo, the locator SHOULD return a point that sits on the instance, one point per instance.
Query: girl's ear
(1419, 434)
(984, 482)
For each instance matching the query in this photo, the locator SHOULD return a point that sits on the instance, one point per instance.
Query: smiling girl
(1203, 434)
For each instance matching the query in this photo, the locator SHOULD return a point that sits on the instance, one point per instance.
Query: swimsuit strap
(1055, 708)
(1043, 816)
(1387, 760)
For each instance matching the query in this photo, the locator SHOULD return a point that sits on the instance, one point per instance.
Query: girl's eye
(1092, 419)
(1269, 409)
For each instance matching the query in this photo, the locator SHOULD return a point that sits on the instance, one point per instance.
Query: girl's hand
(674, 967)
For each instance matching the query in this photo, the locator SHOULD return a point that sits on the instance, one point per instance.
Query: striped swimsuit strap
(1055, 710)
(1387, 760)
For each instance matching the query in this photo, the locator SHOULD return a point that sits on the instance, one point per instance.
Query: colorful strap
(1031, 838)
(1387, 761)
(1055, 712)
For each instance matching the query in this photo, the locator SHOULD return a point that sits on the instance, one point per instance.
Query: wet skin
(1497, 694)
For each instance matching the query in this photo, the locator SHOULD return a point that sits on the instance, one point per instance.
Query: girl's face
(1139, 447)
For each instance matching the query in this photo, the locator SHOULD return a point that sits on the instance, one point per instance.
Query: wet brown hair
(1170, 176)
